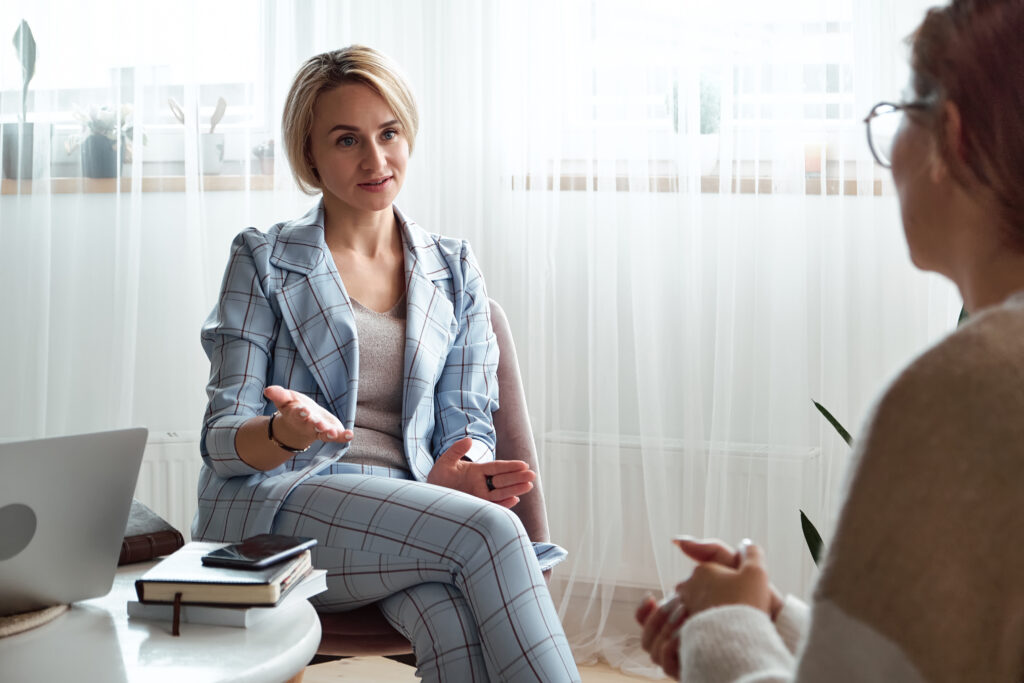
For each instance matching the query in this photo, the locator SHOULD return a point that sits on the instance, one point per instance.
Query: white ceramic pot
(211, 153)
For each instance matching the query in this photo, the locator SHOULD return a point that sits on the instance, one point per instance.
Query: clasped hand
(722, 577)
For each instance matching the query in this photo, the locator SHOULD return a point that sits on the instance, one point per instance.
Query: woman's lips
(377, 185)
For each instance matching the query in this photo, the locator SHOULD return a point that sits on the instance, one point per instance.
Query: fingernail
(303, 413)
(744, 545)
(348, 436)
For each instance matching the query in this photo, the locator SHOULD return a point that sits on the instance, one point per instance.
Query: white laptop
(64, 505)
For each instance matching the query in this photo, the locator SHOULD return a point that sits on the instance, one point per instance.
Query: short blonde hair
(353, 64)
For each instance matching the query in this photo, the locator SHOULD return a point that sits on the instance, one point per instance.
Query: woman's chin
(369, 203)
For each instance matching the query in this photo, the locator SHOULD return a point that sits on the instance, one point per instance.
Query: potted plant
(18, 137)
(211, 145)
(105, 130)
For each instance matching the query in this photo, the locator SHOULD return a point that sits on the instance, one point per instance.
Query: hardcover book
(239, 617)
(182, 576)
(147, 535)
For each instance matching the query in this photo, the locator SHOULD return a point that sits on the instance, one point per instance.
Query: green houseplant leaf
(25, 45)
(835, 423)
(811, 535)
(813, 539)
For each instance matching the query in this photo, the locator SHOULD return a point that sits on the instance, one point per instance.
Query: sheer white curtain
(674, 202)
(693, 242)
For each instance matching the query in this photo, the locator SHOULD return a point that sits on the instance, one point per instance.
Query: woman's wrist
(289, 445)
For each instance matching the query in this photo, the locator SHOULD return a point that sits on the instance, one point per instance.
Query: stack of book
(181, 588)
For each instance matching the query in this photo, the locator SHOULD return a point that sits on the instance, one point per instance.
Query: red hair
(971, 53)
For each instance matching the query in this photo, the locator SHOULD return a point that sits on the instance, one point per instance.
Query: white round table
(95, 641)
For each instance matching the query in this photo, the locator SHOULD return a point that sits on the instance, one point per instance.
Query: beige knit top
(378, 422)
(924, 578)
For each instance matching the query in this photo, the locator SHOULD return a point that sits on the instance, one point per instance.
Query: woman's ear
(951, 130)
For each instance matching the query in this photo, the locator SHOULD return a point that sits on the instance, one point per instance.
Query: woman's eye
(346, 141)
(390, 134)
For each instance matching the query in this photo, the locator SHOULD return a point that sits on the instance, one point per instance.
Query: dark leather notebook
(148, 535)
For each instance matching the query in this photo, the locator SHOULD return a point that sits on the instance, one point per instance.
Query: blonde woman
(352, 383)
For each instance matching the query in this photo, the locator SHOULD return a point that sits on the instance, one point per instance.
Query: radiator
(736, 491)
(167, 479)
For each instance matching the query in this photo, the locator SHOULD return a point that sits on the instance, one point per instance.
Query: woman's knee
(497, 527)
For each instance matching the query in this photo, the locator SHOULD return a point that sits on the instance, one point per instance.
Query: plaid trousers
(455, 574)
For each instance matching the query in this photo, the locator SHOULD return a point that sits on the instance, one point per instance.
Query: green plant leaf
(813, 539)
(25, 46)
(835, 423)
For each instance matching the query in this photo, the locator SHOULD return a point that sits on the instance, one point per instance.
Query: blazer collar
(300, 245)
(422, 252)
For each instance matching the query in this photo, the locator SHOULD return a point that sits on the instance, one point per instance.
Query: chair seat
(362, 631)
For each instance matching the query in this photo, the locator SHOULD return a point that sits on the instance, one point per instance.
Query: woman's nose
(374, 158)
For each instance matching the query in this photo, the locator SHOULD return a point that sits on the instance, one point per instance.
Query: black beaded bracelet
(270, 435)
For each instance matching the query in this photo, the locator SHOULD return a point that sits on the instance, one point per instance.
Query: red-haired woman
(922, 581)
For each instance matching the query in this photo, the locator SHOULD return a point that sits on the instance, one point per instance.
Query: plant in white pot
(264, 153)
(106, 131)
(211, 144)
(18, 138)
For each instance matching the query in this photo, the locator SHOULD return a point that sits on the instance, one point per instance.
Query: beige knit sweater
(924, 579)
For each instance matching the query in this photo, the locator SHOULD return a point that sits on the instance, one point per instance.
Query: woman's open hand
(302, 421)
(509, 479)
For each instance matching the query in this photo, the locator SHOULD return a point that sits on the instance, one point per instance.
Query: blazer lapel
(430, 329)
(317, 312)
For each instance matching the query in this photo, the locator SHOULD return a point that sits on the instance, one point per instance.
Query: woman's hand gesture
(716, 552)
(301, 421)
(499, 481)
(713, 584)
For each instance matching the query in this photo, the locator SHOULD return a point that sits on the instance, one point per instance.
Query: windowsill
(709, 184)
(210, 183)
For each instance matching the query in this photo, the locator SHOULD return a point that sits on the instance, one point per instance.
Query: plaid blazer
(283, 317)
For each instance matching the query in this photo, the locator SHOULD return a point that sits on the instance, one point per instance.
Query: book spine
(148, 546)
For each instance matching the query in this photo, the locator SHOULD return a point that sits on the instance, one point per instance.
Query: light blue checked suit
(454, 573)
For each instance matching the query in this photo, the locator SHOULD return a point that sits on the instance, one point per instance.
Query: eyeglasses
(883, 124)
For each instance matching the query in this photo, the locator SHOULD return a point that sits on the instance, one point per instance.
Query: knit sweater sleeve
(920, 581)
(791, 622)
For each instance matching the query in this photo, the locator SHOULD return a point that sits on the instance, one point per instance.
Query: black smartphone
(257, 552)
